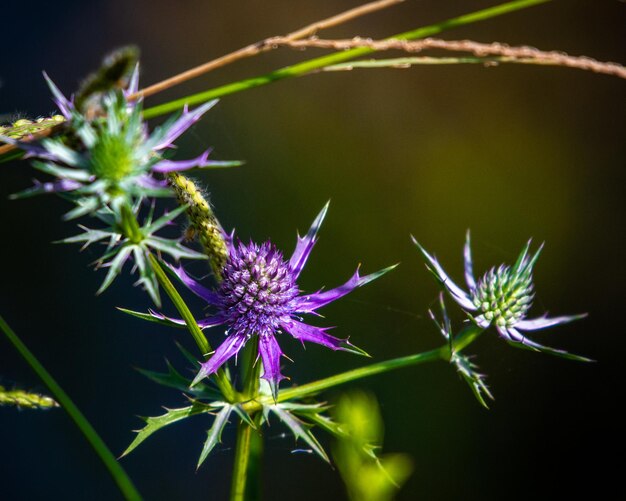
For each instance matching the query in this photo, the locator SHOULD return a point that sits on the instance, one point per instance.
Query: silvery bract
(502, 298)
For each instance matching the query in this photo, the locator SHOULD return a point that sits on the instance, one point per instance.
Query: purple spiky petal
(304, 332)
(270, 353)
(186, 120)
(165, 166)
(259, 296)
(305, 244)
(469, 267)
(198, 289)
(311, 302)
(543, 322)
(459, 295)
(228, 349)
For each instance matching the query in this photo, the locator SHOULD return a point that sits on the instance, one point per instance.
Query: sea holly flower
(502, 298)
(111, 155)
(259, 296)
(133, 244)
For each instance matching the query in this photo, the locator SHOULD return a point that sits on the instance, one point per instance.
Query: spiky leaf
(154, 424)
(299, 430)
(214, 435)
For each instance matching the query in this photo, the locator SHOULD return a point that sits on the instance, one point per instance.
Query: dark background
(512, 152)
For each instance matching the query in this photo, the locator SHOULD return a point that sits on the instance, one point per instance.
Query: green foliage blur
(368, 476)
(510, 152)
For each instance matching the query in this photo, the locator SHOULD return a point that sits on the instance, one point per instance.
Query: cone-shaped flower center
(112, 157)
(503, 296)
(257, 290)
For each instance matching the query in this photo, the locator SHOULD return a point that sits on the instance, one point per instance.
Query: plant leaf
(164, 220)
(146, 275)
(171, 416)
(173, 248)
(215, 432)
(299, 430)
(115, 267)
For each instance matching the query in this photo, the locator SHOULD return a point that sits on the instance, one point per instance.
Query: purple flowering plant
(259, 296)
(102, 156)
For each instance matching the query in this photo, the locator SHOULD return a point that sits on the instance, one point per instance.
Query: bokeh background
(509, 152)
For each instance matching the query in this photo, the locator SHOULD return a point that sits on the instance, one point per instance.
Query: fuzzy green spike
(203, 222)
(24, 128)
(25, 399)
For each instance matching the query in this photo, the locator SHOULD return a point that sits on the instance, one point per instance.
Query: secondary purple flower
(502, 298)
(259, 296)
(112, 154)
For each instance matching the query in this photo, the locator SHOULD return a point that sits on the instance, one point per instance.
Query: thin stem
(311, 65)
(361, 372)
(263, 46)
(129, 225)
(254, 477)
(467, 336)
(240, 468)
(442, 353)
(253, 370)
(244, 431)
(221, 379)
(462, 340)
(506, 52)
(120, 477)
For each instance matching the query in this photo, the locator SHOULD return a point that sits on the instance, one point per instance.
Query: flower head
(502, 298)
(111, 154)
(259, 296)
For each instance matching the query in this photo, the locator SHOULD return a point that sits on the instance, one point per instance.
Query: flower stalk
(221, 379)
(462, 340)
(311, 65)
(116, 471)
(244, 430)
(305, 390)
(240, 468)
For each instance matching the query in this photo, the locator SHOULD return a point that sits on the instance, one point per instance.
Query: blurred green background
(510, 152)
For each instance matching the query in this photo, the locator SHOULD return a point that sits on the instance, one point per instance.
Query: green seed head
(23, 127)
(25, 399)
(112, 157)
(503, 296)
(203, 221)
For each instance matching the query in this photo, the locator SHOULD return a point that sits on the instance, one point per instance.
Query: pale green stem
(221, 379)
(240, 468)
(464, 339)
(317, 63)
(131, 230)
(129, 225)
(120, 477)
(244, 430)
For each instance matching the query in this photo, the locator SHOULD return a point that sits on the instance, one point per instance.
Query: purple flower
(259, 296)
(501, 297)
(114, 153)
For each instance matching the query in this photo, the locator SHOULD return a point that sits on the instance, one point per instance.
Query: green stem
(467, 336)
(253, 371)
(129, 226)
(244, 431)
(464, 339)
(369, 370)
(254, 477)
(242, 456)
(221, 379)
(310, 65)
(115, 469)
(442, 353)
